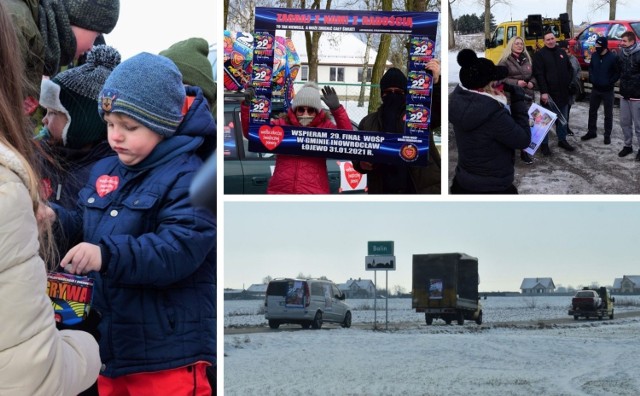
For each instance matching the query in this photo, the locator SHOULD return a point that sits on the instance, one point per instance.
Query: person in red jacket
(296, 174)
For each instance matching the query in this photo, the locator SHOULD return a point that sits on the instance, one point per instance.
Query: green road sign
(380, 248)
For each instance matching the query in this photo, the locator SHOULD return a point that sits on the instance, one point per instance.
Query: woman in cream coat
(35, 358)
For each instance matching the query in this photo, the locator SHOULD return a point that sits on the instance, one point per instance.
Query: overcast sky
(575, 243)
(155, 26)
(583, 10)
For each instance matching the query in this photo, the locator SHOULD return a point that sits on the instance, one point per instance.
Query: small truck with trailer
(592, 303)
(445, 286)
(530, 29)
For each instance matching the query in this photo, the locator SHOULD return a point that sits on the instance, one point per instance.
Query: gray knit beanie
(75, 92)
(95, 15)
(147, 88)
(308, 95)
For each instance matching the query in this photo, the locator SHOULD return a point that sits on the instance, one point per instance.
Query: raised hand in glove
(249, 94)
(330, 98)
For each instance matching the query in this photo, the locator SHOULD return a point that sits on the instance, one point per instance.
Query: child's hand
(82, 259)
(45, 216)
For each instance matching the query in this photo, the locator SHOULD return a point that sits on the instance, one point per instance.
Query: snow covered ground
(496, 309)
(593, 168)
(585, 357)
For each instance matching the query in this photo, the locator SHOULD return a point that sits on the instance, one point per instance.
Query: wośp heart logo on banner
(271, 136)
(351, 179)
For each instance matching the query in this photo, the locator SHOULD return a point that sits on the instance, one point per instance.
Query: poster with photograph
(540, 120)
(295, 295)
(435, 289)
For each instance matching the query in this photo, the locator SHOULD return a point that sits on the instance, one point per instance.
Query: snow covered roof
(531, 283)
(335, 49)
(617, 283)
(257, 288)
(635, 279)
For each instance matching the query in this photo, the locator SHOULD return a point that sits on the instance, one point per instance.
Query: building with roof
(358, 288)
(628, 284)
(537, 286)
(341, 59)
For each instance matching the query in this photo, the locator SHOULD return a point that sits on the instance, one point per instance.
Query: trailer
(445, 286)
(592, 303)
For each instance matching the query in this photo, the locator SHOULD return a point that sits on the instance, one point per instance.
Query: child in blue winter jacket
(152, 253)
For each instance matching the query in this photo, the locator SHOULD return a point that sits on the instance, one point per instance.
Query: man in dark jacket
(629, 62)
(552, 70)
(603, 74)
(401, 179)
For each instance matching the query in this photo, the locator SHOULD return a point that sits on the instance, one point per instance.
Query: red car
(583, 44)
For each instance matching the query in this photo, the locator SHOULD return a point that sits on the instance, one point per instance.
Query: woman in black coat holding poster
(487, 130)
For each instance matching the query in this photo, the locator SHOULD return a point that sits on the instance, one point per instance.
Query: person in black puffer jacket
(487, 131)
(629, 63)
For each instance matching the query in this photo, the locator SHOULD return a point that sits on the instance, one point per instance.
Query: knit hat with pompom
(74, 92)
(478, 72)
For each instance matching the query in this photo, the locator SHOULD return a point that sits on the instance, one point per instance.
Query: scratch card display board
(71, 296)
(410, 147)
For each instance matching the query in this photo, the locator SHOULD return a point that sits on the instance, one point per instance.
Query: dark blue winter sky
(575, 243)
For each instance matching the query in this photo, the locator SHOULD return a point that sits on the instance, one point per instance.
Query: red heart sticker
(270, 136)
(353, 176)
(106, 184)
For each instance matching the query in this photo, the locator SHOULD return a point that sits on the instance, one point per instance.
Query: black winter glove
(516, 92)
(249, 94)
(330, 98)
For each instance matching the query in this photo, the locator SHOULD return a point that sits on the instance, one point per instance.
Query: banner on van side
(410, 147)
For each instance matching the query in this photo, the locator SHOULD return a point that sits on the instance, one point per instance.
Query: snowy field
(585, 357)
(495, 309)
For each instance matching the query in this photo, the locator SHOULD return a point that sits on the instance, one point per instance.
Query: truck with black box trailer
(445, 286)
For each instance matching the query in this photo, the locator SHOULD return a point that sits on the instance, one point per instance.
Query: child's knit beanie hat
(147, 88)
(74, 92)
(191, 58)
(308, 95)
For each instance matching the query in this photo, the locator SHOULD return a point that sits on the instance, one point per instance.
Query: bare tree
(267, 279)
(487, 19)
(612, 9)
(399, 290)
(452, 36)
(488, 4)
(613, 4)
(380, 63)
(570, 12)
(226, 13)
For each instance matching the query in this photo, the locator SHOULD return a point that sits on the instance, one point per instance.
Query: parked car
(583, 44)
(307, 302)
(246, 172)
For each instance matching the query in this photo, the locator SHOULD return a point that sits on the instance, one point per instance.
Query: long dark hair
(15, 127)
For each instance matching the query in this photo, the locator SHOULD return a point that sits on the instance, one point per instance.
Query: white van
(307, 302)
